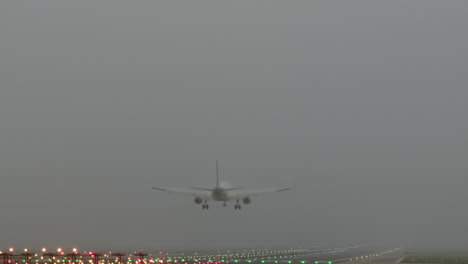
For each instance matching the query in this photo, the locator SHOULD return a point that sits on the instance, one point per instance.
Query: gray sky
(359, 105)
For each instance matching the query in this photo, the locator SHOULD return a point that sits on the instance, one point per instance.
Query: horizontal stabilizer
(203, 189)
(232, 189)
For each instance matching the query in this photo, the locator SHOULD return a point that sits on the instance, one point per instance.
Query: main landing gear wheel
(205, 206)
(237, 206)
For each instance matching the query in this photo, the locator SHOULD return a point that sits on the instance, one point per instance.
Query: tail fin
(217, 174)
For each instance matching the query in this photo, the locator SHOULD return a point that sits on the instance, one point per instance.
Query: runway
(315, 255)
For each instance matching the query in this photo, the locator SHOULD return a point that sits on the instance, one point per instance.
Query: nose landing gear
(205, 206)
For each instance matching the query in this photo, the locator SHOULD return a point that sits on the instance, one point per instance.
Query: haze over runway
(360, 106)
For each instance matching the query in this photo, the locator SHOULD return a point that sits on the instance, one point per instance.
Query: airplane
(221, 193)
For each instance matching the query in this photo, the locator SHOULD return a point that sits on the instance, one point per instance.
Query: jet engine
(198, 200)
(246, 200)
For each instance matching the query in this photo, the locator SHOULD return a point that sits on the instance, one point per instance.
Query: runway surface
(315, 255)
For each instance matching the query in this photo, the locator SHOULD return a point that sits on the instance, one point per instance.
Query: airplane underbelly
(219, 196)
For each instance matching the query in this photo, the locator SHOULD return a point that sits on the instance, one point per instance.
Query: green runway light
(236, 261)
(276, 261)
(263, 261)
(250, 261)
(302, 262)
(329, 262)
(289, 261)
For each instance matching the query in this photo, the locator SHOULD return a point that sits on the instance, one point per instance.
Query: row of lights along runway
(288, 256)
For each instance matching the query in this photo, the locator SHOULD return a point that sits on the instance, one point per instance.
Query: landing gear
(224, 204)
(237, 206)
(205, 206)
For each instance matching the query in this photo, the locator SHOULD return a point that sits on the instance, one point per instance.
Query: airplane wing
(204, 193)
(240, 193)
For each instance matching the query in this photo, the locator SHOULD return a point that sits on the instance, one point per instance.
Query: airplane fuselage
(219, 194)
